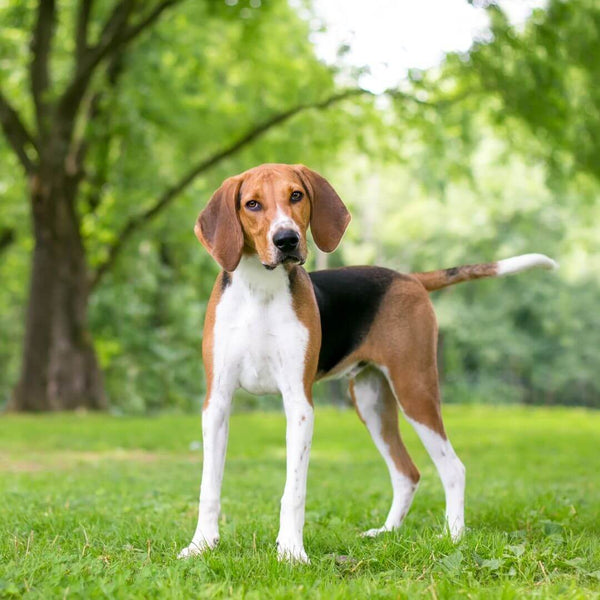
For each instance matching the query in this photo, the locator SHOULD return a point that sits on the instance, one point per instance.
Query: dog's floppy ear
(218, 226)
(328, 216)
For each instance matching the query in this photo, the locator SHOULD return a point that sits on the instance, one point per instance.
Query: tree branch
(138, 221)
(115, 34)
(144, 23)
(115, 25)
(81, 30)
(18, 137)
(97, 110)
(40, 47)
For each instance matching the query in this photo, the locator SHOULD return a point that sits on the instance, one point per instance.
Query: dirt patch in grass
(61, 460)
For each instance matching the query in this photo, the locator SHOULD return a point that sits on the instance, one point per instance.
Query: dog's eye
(253, 205)
(296, 196)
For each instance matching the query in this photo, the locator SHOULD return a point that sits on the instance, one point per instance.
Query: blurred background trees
(492, 154)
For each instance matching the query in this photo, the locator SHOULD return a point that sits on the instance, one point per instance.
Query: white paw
(371, 533)
(197, 547)
(457, 533)
(292, 553)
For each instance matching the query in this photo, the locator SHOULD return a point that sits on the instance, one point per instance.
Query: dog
(271, 327)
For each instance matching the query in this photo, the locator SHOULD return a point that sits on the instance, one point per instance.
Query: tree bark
(60, 370)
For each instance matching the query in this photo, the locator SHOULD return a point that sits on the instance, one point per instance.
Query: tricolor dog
(272, 327)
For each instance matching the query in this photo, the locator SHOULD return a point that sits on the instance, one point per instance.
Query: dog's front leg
(300, 418)
(215, 429)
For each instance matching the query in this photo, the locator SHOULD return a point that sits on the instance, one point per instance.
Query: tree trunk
(59, 368)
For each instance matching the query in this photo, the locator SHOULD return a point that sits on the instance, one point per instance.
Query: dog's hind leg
(406, 351)
(377, 408)
(452, 473)
(418, 396)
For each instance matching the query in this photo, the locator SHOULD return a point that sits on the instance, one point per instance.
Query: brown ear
(328, 217)
(218, 226)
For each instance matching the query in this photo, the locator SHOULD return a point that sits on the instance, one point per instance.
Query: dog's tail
(436, 280)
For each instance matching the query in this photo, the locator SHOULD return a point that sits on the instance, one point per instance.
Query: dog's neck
(251, 275)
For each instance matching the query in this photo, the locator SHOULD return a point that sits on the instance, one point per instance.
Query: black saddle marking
(348, 300)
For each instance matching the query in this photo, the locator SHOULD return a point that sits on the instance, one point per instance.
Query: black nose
(286, 240)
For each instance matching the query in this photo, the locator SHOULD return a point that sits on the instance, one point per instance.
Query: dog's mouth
(293, 260)
(290, 258)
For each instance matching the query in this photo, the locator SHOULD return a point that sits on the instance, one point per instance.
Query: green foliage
(528, 338)
(94, 506)
(546, 77)
(204, 76)
(490, 155)
(497, 157)
(201, 86)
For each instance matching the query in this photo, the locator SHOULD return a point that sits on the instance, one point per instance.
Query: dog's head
(267, 211)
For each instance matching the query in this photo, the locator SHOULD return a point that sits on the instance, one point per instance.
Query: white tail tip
(524, 262)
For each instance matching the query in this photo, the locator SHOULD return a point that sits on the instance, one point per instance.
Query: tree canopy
(489, 155)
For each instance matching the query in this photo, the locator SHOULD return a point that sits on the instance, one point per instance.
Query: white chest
(260, 345)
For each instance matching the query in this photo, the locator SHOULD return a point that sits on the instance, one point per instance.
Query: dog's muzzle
(287, 242)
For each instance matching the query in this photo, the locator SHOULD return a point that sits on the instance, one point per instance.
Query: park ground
(95, 506)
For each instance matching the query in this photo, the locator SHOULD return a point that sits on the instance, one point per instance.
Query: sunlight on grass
(97, 506)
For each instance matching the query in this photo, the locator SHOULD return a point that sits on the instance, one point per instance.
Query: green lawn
(97, 507)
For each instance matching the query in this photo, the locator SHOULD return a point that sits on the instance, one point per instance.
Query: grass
(97, 507)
